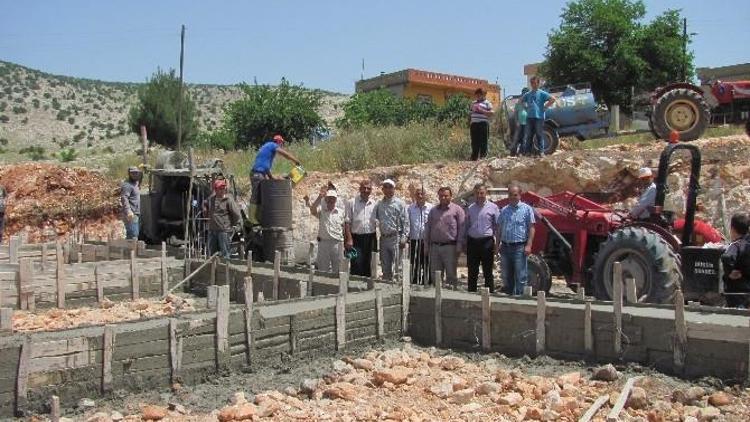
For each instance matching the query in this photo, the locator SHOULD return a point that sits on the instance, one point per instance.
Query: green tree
(383, 108)
(157, 110)
(607, 43)
(290, 110)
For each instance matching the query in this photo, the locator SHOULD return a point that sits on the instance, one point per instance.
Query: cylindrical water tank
(276, 203)
(277, 239)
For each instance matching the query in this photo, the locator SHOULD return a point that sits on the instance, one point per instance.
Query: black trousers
(420, 268)
(366, 244)
(480, 251)
(480, 132)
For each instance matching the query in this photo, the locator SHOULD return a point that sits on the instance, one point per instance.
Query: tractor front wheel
(646, 257)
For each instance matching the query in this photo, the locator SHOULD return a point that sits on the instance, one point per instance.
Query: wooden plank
(486, 320)
(680, 329)
(379, 312)
(581, 293)
(22, 380)
(223, 354)
(293, 334)
(343, 283)
(374, 266)
(438, 304)
(528, 291)
(617, 307)
(80, 258)
(164, 270)
(310, 280)
(612, 416)
(340, 321)
(212, 293)
(276, 275)
(588, 333)
(13, 245)
(43, 257)
(135, 283)
(175, 351)
(108, 348)
(593, 409)
(541, 316)
(25, 280)
(212, 271)
(249, 318)
(630, 290)
(54, 405)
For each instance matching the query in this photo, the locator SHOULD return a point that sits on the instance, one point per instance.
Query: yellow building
(429, 86)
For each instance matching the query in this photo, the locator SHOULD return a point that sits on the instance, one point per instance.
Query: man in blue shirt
(481, 225)
(515, 237)
(536, 102)
(262, 167)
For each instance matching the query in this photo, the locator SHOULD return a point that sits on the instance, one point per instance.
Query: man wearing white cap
(393, 220)
(648, 196)
(330, 230)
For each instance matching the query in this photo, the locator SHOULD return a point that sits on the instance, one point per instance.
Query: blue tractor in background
(576, 113)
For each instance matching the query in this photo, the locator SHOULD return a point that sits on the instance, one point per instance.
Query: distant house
(429, 86)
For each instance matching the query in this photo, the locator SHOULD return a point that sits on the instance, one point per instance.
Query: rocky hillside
(48, 112)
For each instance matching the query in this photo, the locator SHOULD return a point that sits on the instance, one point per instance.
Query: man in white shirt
(359, 229)
(641, 210)
(418, 211)
(330, 230)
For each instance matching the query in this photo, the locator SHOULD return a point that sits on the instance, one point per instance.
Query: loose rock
(606, 373)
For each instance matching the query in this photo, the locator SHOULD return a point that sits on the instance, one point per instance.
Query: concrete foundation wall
(717, 344)
(87, 362)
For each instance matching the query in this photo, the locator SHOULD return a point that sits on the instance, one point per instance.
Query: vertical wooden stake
(212, 271)
(25, 282)
(260, 298)
(374, 265)
(310, 279)
(60, 275)
(528, 291)
(486, 320)
(135, 283)
(588, 333)
(438, 307)
(43, 261)
(343, 283)
(80, 257)
(617, 306)
(581, 293)
(248, 319)
(54, 404)
(212, 295)
(293, 334)
(340, 321)
(108, 346)
(405, 298)
(680, 330)
(164, 271)
(379, 312)
(223, 353)
(250, 263)
(108, 247)
(99, 284)
(541, 316)
(276, 275)
(175, 351)
(630, 290)
(6, 320)
(22, 379)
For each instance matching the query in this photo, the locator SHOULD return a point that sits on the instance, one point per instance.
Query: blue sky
(318, 43)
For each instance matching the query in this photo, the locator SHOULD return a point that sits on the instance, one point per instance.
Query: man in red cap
(264, 163)
(223, 214)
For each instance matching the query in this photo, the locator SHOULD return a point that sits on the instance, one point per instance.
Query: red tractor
(684, 107)
(580, 239)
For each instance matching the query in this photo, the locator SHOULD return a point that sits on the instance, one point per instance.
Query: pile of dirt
(107, 312)
(411, 384)
(47, 201)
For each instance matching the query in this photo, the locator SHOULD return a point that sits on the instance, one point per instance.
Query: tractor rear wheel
(683, 110)
(540, 276)
(646, 257)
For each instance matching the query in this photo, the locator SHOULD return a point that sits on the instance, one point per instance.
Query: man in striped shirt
(515, 237)
(479, 124)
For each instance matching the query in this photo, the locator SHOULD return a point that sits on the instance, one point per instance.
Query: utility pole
(362, 75)
(179, 99)
(684, 49)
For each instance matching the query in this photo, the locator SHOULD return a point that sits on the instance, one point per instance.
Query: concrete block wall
(141, 355)
(718, 344)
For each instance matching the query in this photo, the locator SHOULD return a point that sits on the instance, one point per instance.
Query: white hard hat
(389, 182)
(644, 172)
(332, 194)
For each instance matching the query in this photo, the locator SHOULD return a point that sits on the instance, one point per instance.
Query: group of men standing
(436, 234)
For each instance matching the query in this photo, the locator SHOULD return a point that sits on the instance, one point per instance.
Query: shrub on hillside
(264, 111)
(35, 152)
(67, 154)
(157, 110)
(19, 110)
